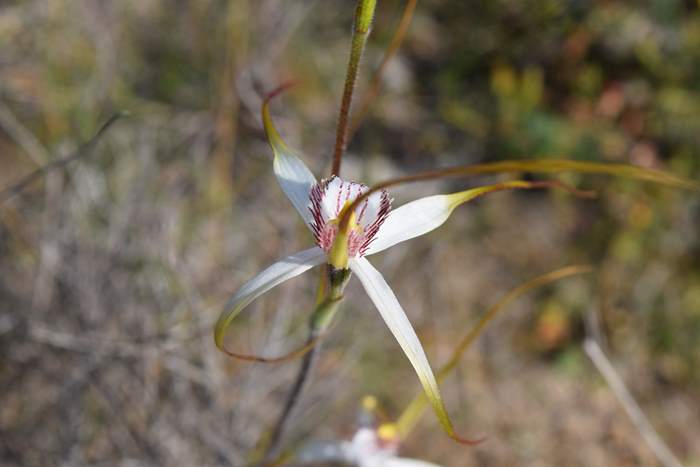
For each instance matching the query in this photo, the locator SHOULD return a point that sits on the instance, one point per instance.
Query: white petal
(337, 192)
(423, 215)
(404, 462)
(292, 174)
(283, 270)
(412, 220)
(395, 318)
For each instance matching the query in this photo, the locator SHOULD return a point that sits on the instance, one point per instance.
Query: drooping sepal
(273, 275)
(396, 320)
(293, 175)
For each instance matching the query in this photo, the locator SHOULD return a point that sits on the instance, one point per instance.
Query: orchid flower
(373, 444)
(372, 447)
(369, 447)
(349, 222)
(373, 227)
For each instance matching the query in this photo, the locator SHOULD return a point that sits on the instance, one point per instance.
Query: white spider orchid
(372, 445)
(369, 448)
(374, 227)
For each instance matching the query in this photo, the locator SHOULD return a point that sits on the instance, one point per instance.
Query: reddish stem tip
(280, 89)
(468, 442)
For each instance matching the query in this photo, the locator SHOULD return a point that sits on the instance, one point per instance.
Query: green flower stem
(325, 311)
(333, 280)
(363, 22)
(375, 84)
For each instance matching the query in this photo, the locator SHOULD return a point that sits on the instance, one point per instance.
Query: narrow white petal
(423, 215)
(405, 462)
(292, 174)
(412, 220)
(336, 192)
(395, 318)
(283, 270)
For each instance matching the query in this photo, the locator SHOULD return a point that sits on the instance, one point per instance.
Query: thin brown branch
(24, 138)
(305, 370)
(84, 150)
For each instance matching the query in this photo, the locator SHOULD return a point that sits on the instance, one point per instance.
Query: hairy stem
(376, 83)
(363, 20)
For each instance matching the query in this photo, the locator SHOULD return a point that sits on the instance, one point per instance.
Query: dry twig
(634, 411)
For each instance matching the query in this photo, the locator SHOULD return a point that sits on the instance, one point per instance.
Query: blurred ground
(113, 271)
